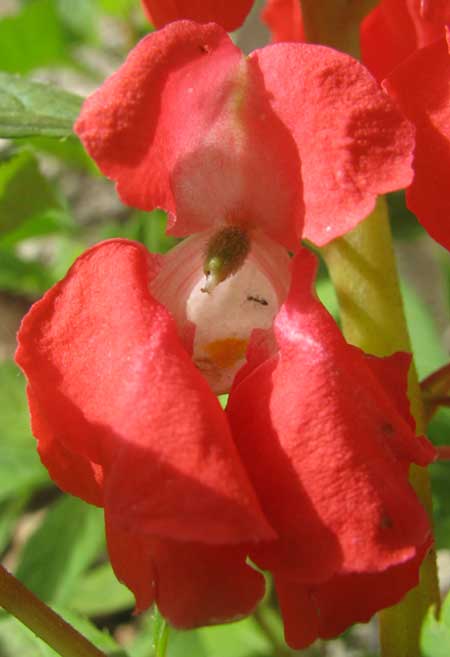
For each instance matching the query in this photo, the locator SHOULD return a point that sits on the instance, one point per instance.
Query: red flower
(307, 471)
(230, 15)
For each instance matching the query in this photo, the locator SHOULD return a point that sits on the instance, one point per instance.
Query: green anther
(226, 252)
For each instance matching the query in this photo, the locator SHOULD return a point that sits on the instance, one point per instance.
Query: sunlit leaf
(67, 541)
(99, 592)
(30, 108)
(32, 39)
(435, 638)
(20, 467)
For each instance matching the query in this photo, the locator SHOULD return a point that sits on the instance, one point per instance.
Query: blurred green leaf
(70, 151)
(25, 194)
(23, 276)
(30, 108)
(428, 350)
(9, 512)
(99, 592)
(80, 18)
(146, 227)
(67, 541)
(32, 39)
(119, 8)
(435, 637)
(20, 467)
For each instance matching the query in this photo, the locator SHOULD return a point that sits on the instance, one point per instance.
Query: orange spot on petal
(225, 353)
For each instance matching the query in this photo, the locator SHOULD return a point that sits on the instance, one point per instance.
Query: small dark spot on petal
(387, 429)
(204, 48)
(386, 522)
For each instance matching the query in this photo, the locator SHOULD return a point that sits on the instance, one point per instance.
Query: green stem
(363, 270)
(43, 621)
(335, 23)
(160, 634)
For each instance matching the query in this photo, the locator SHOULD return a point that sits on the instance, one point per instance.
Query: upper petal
(186, 125)
(230, 15)
(115, 387)
(353, 142)
(327, 449)
(420, 86)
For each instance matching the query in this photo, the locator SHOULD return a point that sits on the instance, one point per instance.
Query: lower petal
(192, 584)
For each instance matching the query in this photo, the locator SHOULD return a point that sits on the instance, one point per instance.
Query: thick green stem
(43, 621)
(335, 22)
(363, 270)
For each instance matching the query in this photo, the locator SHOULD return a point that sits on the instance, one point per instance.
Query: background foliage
(53, 204)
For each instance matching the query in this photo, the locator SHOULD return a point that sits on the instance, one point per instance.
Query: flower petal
(327, 450)
(210, 162)
(326, 610)
(230, 15)
(420, 86)
(107, 371)
(191, 583)
(353, 142)
(396, 28)
(284, 20)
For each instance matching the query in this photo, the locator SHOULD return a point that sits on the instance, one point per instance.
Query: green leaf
(67, 541)
(146, 227)
(435, 637)
(20, 467)
(25, 194)
(428, 350)
(32, 39)
(22, 276)
(119, 8)
(10, 511)
(30, 108)
(99, 592)
(80, 18)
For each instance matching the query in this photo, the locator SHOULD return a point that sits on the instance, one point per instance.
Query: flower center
(225, 317)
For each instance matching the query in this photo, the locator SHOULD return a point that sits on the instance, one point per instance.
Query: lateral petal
(326, 450)
(353, 143)
(109, 374)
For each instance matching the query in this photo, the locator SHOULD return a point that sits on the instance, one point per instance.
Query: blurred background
(53, 205)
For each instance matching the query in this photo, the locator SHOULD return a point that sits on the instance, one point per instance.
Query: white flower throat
(225, 318)
(219, 286)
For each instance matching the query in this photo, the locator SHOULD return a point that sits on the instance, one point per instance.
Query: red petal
(192, 584)
(186, 125)
(325, 611)
(396, 28)
(326, 450)
(420, 87)
(284, 20)
(353, 143)
(230, 15)
(108, 373)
